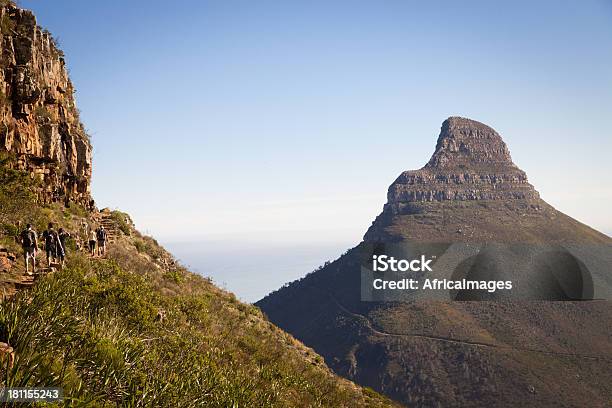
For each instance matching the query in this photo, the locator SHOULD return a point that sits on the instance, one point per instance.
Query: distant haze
(285, 122)
(252, 270)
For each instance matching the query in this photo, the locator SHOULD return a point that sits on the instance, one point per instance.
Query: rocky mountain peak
(466, 143)
(470, 167)
(471, 162)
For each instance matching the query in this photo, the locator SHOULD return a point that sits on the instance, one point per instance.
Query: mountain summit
(474, 210)
(470, 190)
(471, 162)
(467, 143)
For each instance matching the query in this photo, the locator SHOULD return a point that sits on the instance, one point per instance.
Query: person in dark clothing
(29, 243)
(101, 235)
(62, 250)
(92, 242)
(53, 246)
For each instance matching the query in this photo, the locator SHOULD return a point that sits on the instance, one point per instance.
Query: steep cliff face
(471, 190)
(471, 162)
(39, 120)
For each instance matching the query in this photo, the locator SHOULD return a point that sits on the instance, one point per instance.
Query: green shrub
(17, 193)
(123, 221)
(140, 245)
(174, 275)
(42, 114)
(10, 230)
(77, 210)
(7, 26)
(149, 246)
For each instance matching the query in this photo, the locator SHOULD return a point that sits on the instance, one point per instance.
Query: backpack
(101, 235)
(28, 238)
(63, 237)
(50, 238)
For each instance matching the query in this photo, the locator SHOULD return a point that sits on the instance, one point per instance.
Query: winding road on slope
(378, 332)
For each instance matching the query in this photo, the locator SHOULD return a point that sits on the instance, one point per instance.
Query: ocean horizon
(249, 269)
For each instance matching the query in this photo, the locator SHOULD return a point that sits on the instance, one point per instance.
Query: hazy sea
(251, 270)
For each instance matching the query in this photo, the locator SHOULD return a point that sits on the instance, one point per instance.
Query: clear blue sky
(286, 121)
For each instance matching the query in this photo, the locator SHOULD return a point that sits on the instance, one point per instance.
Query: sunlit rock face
(39, 120)
(471, 162)
(470, 190)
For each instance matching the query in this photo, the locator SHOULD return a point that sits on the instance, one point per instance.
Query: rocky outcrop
(39, 120)
(7, 260)
(471, 162)
(471, 191)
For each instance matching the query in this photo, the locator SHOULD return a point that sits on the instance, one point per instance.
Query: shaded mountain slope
(500, 353)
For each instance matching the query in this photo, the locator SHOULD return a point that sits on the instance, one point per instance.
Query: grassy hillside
(137, 329)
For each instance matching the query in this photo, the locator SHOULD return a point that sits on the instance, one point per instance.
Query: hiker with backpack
(53, 246)
(101, 236)
(63, 237)
(29, 243)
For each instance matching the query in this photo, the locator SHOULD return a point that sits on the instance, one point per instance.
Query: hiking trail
(378, 332)
(105, 219)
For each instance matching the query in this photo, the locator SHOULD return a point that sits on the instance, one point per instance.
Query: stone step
(26, 281)
(44, 271)
(24, 284)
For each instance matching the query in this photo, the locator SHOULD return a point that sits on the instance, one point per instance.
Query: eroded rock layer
(471, 162)
(470, 190)
(39, 120)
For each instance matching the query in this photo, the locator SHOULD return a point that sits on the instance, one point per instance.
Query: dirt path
(25, 281)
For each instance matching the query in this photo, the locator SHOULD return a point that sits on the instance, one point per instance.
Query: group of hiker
(55, 244)
(97, 237)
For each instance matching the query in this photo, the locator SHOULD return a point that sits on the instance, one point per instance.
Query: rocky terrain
(469, 197)
(471, 162)
(470, 190)
(39, 120)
